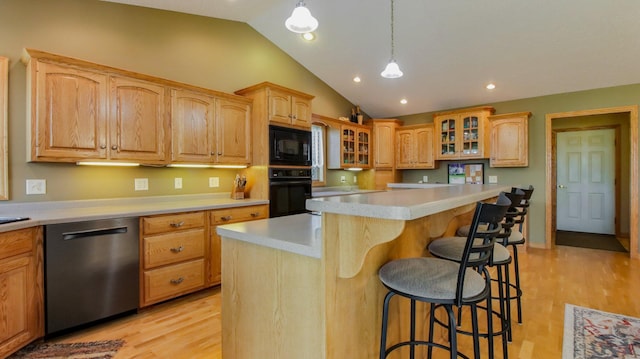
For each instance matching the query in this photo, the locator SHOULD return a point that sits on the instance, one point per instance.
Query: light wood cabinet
(137, 121)
(509, 135)
(226, 216)
(209, 130)
(384, 142)
(21, 289)
(280, 105)
(173, 250)
(462, 134)
(349, 147)
(414, 147)
(68, 113)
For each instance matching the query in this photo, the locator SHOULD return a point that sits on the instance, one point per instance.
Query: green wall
(212, 53)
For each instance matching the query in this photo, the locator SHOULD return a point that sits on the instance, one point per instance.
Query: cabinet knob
(177, 281)
(255, 214)
(177, 225)
(114, 147)
(103, 147)
(226, 218)
(177, 250)
(213, 153)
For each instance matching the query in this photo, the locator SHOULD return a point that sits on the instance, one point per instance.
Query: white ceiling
(448, 49)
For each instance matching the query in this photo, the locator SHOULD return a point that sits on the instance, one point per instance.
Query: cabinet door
(447, 148)
(137, 121)
(192, 127)
(69, 110)
(279, 107)
(405, 148)
(301, 111)
(348, 146)
(509, 141)
(424, 147)
(470, 136)
(233, 132)
(383, 141)
(363, 148)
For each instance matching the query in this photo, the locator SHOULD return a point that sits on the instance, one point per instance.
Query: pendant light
(392, 71)
(301, 20)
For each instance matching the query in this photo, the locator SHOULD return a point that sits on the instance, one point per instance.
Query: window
(317, 151)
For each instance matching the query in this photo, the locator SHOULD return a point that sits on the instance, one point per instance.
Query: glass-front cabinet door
(447, 138)
(364, 136)
(470, 135)
(348, 146)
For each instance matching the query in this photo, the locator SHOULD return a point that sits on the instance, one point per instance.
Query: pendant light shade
(301, 20)
(392, 71)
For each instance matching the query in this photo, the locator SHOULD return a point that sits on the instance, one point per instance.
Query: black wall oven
(289, 146)
(289, 189)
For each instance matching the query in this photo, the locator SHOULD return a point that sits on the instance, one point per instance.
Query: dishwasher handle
(67, 236)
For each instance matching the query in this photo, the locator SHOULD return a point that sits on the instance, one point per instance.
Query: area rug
(105, 349)
(589, 240)
(592, 334)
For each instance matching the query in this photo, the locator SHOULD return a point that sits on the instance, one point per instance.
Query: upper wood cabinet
(384, 139)
(138, 121)
(68, 113)
(414, 147)
(509, 139)
(206, 129)
(462, 134)
(281, 105)
(349, 147)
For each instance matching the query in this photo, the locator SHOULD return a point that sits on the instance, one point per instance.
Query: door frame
(550, 182)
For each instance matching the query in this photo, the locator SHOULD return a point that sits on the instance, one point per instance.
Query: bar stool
(444, 283)
(450, 248)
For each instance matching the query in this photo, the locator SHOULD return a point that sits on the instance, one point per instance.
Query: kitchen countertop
(418, 185)
(337, 191)
(50, 212)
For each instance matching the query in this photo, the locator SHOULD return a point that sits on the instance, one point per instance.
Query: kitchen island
(306, 286)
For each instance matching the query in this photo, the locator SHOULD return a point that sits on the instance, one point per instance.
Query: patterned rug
(592, 334)
(94, 350)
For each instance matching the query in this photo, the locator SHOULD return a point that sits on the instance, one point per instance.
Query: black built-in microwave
(289, 146)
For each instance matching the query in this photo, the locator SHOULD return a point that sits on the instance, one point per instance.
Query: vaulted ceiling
(449, 50)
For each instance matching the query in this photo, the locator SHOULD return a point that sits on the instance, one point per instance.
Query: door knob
(562, 186)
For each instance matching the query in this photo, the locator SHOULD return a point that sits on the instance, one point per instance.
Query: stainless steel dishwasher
(91, 271)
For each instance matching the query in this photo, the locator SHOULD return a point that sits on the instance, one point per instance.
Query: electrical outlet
(343, 179)
(36, 186)
(141, 184)
(493, 179)
(425, 179)
(177, 183)
(355, 179)
(214, 181)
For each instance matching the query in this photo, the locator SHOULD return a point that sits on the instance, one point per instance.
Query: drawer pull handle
(255, 214)
(177, 281)
(226, 218)
(177, 225)
(177, 250)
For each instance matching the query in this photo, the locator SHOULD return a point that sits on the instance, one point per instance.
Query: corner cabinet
(21, 289)
(414, 147)
(509, 140)
(282, 106)
(349, 147)
(462, 134)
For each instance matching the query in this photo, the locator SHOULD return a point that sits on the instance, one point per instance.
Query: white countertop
(418, 185)
(300, 233)
(43, 213)
(407, 204)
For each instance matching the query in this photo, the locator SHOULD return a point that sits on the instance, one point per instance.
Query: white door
(585, 179)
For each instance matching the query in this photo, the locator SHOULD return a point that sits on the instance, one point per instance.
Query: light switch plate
(36, 186)
(177, 183)
(343, 179)
(141, 184)
(493, 179)
(425, 179)
(214, 181)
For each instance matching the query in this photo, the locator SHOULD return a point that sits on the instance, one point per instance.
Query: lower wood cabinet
(21, 289)
(173, 250)
(226, 216)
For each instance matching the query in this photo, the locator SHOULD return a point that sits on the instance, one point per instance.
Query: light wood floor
(608, 281)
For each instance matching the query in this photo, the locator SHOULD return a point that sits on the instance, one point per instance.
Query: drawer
(166, 282)
(173, 247)
(238, 214)
(172, 222)
(16, 242)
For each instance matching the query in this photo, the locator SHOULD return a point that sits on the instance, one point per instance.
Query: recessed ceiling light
(357, 79)
(403, 101)
(491, 86)
(309, 36)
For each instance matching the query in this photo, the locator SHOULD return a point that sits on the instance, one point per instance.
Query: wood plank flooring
(190, 327)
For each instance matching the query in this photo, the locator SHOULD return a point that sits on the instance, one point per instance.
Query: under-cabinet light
(115, 164)
(355, 169)
(188, 165)
(229, 166)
